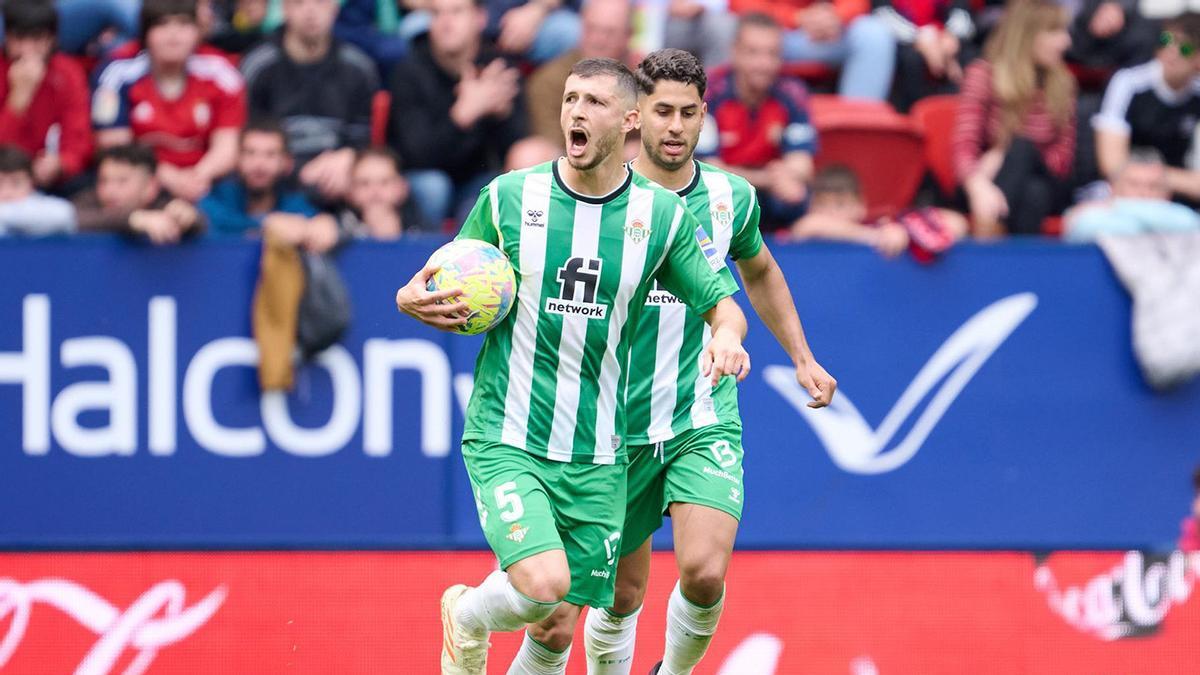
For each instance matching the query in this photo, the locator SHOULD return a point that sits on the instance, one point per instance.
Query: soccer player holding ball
(684, 434)
(544, 441)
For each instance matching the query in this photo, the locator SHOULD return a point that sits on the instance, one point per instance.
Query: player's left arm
(772, 299)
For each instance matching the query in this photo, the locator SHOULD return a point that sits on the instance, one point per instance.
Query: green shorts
(528, 505)
(700, 466)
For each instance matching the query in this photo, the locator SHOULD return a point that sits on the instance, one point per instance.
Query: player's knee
(552, 586)
(703, 581)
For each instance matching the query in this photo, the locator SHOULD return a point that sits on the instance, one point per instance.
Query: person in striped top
(685, 434)
(544, 440)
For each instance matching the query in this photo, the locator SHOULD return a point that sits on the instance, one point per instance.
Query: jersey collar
(687, 189)
(588, 199)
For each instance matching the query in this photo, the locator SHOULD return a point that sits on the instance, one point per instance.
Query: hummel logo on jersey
(533, 218)
(579, 278)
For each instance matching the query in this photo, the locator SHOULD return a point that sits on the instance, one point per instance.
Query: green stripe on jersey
(550, 377)
(667, 395)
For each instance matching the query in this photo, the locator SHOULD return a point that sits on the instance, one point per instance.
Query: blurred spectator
(128, 198)
(188, 107)
(45, 96)
(320, 87)
(538, 30)
(255, 198)
(377, 206)
(606, 33)
(838, 212)
(457, 109)
(373, 26)
(840, 33)
(1110, 34)
(702, 27)
(235, 26)
(207, 23)
(1014, 135)
(1140, 203)
(84, 23)
(1189, 531)
(24, 210)
(933, 41)
(1156, 105)
(758, 124)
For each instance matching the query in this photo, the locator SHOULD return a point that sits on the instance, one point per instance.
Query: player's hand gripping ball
(485, 276)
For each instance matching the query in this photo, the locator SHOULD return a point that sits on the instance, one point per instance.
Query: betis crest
(636, 231)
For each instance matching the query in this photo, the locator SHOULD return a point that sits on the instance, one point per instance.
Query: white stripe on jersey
(664, 393)
(633, 261)
(719, 192)
(535, 194)
(585, 243)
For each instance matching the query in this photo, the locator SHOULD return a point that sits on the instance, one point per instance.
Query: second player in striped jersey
(684, 434)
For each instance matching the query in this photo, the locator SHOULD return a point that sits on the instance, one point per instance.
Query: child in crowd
(838, 212)
(24, 210)
(128, 198)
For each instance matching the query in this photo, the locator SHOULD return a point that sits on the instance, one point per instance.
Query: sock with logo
(608, 639)
(690, 628)
(495, 605)
(535, 658)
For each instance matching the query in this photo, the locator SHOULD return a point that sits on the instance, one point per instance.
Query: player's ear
(633, 120)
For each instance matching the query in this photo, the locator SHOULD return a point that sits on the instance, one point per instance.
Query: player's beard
(664, 161)
(602, 147)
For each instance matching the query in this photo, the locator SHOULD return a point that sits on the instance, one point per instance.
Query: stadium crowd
(321, 121)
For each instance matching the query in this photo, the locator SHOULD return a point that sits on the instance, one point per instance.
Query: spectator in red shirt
(758, 123)
(840, 33)
(187, 106)
(1014, 136)
(45, 96)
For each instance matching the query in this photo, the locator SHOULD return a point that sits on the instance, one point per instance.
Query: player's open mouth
(673, 146)
(577, 141)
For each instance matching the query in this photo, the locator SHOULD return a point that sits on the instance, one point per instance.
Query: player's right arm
(417, 301)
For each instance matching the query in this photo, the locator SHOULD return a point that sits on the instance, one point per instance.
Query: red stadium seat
(812, 72)
(381, 106)
(881, 146)
(934, 116)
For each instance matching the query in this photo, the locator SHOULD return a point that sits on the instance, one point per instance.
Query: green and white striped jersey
(667, 395)
(550, 379)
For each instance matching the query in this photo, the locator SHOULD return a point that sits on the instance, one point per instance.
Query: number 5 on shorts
(509, 501)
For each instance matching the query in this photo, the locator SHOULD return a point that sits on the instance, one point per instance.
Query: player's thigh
(589, 503)
(704, 491)
(511, 497)
(644, 496)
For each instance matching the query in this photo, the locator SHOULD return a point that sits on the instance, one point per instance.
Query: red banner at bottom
(843, 613)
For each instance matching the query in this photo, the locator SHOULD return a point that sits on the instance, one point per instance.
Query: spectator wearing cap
(45, 96)
(187, 106)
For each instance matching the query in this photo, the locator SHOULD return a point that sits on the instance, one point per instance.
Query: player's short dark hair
(626, 82)
(673, 65)
(265, 125)
(836, 179)
(757, 19)
(132, 154)
(1186, 26)
(30, 17)
(15, 160)
(380, 152)
(155, 12)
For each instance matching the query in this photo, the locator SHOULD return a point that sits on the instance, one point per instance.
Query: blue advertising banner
(987, 401)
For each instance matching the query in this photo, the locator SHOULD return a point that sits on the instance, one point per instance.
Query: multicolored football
(485, 276)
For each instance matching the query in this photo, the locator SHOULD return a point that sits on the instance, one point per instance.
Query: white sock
(495, 605)
(535, 658)
(689, 630)
(609, 641)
